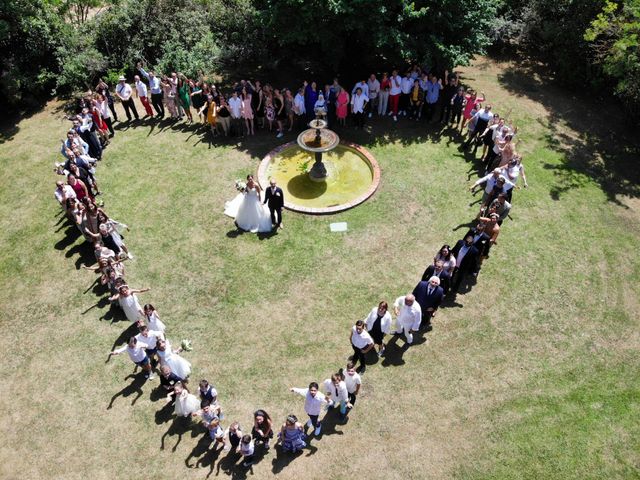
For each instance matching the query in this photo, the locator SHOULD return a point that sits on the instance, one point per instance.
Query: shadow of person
(178, 428)
(134, 387)
(85, 252)
(267, 235)
(235, 233)
(468, 282)
(330, 421)
(393, 353)
(114, 314)
(228, 464)
(198, 450)
(125, 335)
(283, 459)
(100, 304)
(70, 236)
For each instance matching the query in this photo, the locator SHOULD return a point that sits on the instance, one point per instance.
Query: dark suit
(275, 202)
(482, 243)
(445, 278)
(469, 263)
(426, 301)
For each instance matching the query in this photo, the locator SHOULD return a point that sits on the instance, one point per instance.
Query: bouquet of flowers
(241, 186)
(186, 345)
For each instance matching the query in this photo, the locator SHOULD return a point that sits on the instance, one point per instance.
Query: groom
(274, 198)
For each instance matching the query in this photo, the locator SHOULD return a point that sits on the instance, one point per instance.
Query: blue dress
(294, 440)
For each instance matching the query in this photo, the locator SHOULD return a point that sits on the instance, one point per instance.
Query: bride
(247, 208)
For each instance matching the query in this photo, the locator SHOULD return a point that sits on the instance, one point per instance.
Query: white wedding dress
(250, 213)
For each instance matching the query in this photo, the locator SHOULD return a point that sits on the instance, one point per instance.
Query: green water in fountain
(349, 176)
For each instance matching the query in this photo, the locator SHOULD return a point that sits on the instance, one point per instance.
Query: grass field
(534, 373)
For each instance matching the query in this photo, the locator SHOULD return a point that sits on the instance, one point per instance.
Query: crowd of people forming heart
(248, 106)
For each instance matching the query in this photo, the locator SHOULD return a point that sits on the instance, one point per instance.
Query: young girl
(247, 450)
(234, 433)
(291, 435)
(262, 428)
(216, 433)
(153, 319)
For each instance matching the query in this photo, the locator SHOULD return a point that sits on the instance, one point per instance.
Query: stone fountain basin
(354, 175)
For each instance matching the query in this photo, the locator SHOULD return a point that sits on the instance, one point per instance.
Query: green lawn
(534, 373)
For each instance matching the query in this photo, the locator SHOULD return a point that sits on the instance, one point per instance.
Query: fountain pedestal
(318, 139)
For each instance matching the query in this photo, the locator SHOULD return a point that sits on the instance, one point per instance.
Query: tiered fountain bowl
(319, 174)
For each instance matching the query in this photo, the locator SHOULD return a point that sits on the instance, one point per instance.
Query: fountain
(319, 173)
(318, 139)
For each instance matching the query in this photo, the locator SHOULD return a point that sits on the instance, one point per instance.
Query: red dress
(342, 101)
(78, 189)
(98, 121)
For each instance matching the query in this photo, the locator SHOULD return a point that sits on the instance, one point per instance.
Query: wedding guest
(471, 102)
(257, 103)
(310, 98)
(102, 105)
(136, 352)
(208, 392)
(128, 300)
(336, 391)
(447, 94)
(288, 108)
(281, 116)
(169, 92)
(224, 116)
(141, 93)
(494, 180)
(171, 357)
(247, 112)
(123, 92)
(168, 380)
(234, 434)
(155, 85)
(313, 402)
(103, 89)
(216, 433)
(353, 381)
(448, 259)
(184, 96)
(208, 412)
(434, 85)
(78, 186)
(342, 102)
(363, 86)
(262, 430)
(374, 90)
(415, 100)
(501, 207)
(247, 449)
(292, 435)
(429, 295)
(378, 324)
(457, 104)
(361, 342)
(394, 94)
(436, 269)
(408, 316)
(299, 107)
(153, 319)
(210, 111)
(513, 170)
(467, 256)
(406, 84)
(150, 338)
(358, 105)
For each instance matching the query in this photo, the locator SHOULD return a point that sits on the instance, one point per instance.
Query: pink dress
(342, 100)
(247, 112)
(471, 104)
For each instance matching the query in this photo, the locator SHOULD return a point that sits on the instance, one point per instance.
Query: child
(353, 381)
(208, 412)
(210, 394)
(216, 433)
(291, 435)
(234, 432)
(336, 390)
(247, 449)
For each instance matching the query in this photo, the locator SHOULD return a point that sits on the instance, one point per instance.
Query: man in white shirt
(156, 91)
(361, 342)
(491, 181)
(235, 108)
(124, 92)
(374, 90)
(137, 354)
(298, 107)
(394, 94)
(150, 338)
(406, 85)
(141, 92)
(313, 402)
(408, 316)
(358, 104)
(363, 86)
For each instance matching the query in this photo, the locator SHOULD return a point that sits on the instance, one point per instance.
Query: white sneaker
(309, 424)
(390, 113)
(280, 135)
(370, 114)
(130, 256)
(395, 119)
(318, 430)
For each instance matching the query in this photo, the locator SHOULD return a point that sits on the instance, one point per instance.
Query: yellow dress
(212, 116)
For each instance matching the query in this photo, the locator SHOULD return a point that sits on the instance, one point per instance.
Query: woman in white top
(514, 169)
(353, 381)
(153, 319)
(128, 301)
(378, 325)
(448, 260)
(186, 403)
(168, 356)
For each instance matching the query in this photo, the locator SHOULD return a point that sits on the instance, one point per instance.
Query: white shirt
(352, 381)
(64, 193)
(151, 339)
(247, 448)
(341, 395)
(358, 101)
(154, 82)
(491, 182)
(360, 340)
(396, 83)
(408, 316)
(124, 90)
(385, 321)
(141, 88)
(235, 105)
(136, 354)
(298, 103)
(363, 86)
(407, 84)
(155, 323)
(374, 88)
(312, 405)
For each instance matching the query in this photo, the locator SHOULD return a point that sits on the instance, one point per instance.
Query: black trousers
(273, 212)
(109, 123)
(403, 103)
(128, 107)
(445, 113)
(352, 398)
(358, 118)
(358, 356)
(113, 111)
(95, 148)
(429, 110)
(156, 100)
(456, 115)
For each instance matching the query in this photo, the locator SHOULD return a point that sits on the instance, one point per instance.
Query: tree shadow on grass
(591, 135)
(135, 387)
